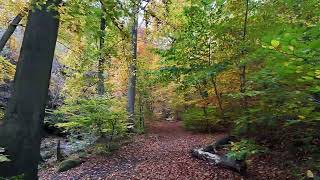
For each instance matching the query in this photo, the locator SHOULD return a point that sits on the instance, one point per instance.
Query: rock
(11, 53)
(130, 128)
(55, 89)
(170, 119)
(69, 164)
(113, 146)
(5, 93)
(47, 155)
(75, 148)
(56, 85)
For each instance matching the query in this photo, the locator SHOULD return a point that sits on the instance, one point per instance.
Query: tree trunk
(214, 82)
(243, 67)
(133, 68)
(59, 154)
(141, 113)
(20, 134)
(204, 95)
(11, 28)
(101, 77)
(219, 98)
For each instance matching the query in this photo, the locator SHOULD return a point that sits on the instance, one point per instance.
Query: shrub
(7, 70)
(196, 119)
(101, 116)
(243, 149)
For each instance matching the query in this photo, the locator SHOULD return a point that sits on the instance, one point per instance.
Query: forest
(159, 89)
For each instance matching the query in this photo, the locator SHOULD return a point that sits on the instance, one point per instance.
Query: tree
(11, 28)
(101, 64)
(20, 133)
(133, 64)
(243, 67)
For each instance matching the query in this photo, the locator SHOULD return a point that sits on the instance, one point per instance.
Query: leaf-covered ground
(162, 153)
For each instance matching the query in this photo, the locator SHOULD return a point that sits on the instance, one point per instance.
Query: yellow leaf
(301, 117)
(291, 48)
(310, 174)
(275, 43)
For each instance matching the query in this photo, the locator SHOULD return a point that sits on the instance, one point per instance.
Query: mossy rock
(113, 146)
(82, 154)
(69, 164)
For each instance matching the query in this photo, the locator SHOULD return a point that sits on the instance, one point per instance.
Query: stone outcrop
(57, 79)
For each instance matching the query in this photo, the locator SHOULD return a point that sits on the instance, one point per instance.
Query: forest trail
(162, 153)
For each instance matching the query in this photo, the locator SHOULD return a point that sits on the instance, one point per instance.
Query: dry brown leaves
(163, 153)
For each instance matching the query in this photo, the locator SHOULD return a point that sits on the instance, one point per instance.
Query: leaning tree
(20, 131)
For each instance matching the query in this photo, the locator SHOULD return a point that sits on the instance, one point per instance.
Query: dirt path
(163, 153)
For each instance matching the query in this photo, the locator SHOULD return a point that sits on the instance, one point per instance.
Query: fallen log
(222, 161)
(209, 153)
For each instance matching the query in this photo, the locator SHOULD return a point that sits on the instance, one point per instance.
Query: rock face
(55, 89)
(68, 146)
(56, 85)
(57, 79)
(5, 93)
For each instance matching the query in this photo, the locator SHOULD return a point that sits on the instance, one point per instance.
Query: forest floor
(162, 153)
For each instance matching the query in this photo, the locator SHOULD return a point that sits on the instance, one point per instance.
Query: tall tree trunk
(141, 113)
(243, 67)
(204, 95)
(147, 23)
(214, 82)
(20, 133)
(10, 30)
(133, 66)
(219, 98)
(101, 64)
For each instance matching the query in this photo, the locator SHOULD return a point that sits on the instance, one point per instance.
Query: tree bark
(101, 64)
(59, 154)
(133, 66)
(10, 30)
(141, 113)
(219, 99)
(20, 134)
